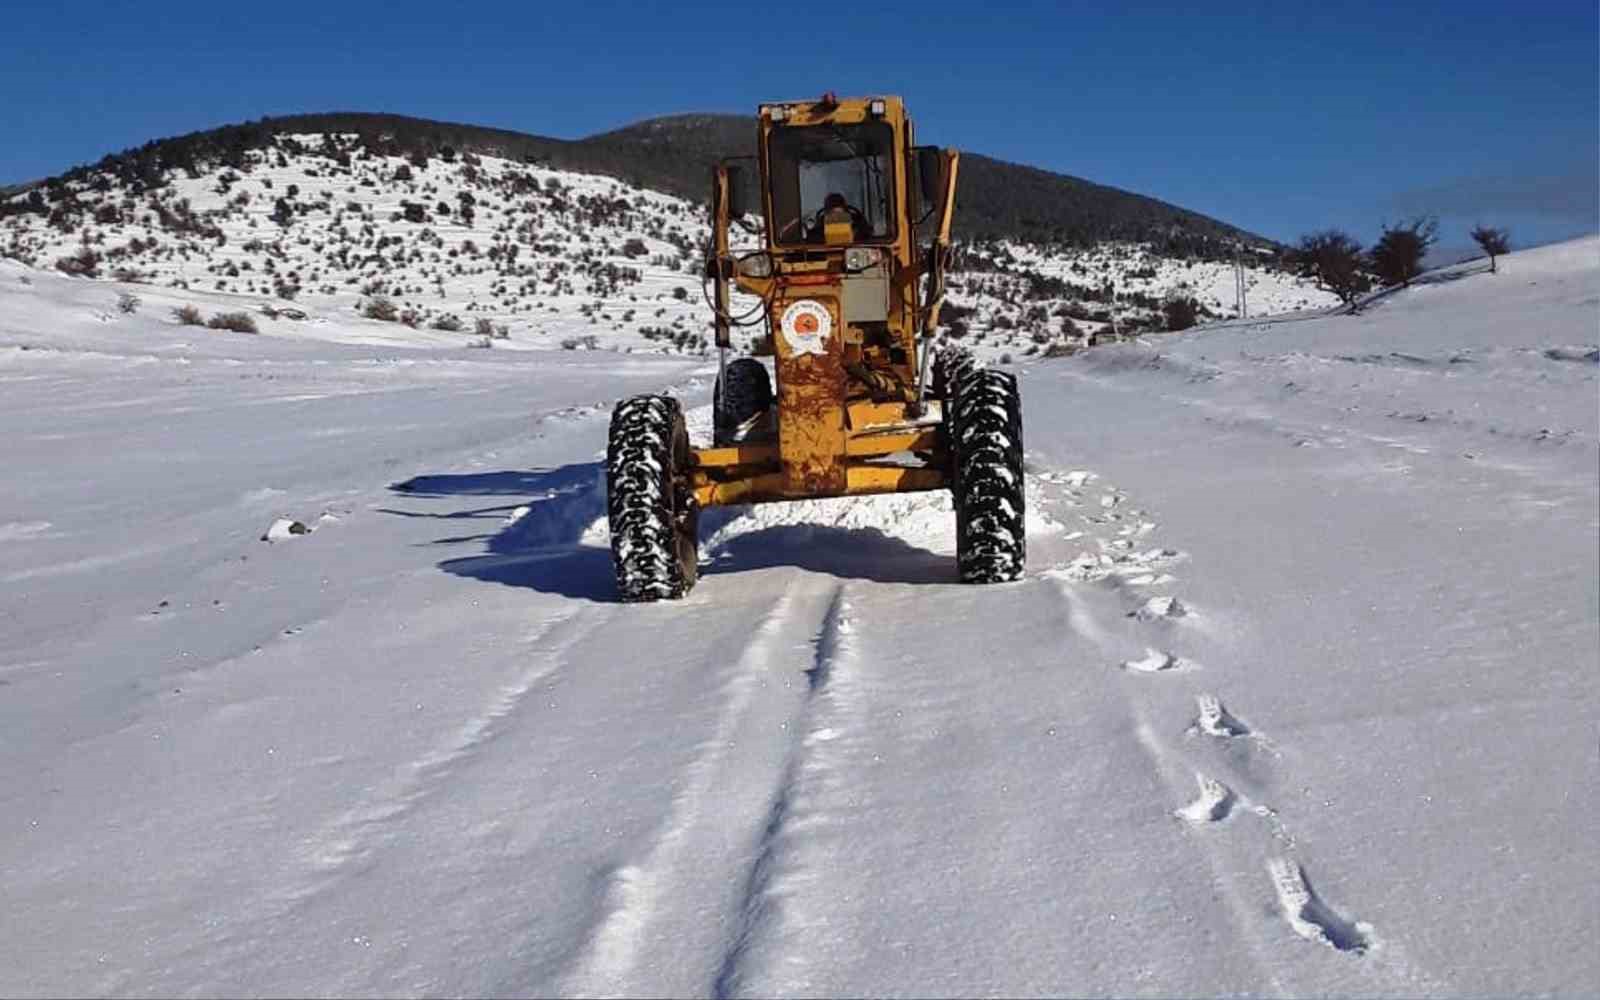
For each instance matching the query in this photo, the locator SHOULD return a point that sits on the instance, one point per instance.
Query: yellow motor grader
(849, 278)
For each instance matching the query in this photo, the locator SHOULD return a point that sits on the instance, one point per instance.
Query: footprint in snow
(1215, 719)
(1214, 804)
(1309, 916)
(1156, 661)
(1119, 560)
(1158, 609)
(1150, 580)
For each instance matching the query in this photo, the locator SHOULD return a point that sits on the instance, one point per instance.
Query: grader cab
(848, 283)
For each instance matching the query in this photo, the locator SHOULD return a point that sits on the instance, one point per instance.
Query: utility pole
(1241, 303)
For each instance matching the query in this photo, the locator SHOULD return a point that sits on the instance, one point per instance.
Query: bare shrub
(128, 303)
(1180, 311)
(188, 316)
(449, 323)
(238, 322)
(85, 263)
(380, 308)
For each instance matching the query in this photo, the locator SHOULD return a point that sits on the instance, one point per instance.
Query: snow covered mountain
(491, 250)
(1296, 697)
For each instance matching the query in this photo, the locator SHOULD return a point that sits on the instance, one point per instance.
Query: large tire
(654, 518)
(949, 365)
(742, 394)
(985, 422)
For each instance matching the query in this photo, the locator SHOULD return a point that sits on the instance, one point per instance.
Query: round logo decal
(806, 325)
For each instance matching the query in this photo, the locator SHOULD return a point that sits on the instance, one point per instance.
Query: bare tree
(1333, 258)
(1493, 242)
(1397, 257)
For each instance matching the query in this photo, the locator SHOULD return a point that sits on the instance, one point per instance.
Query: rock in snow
(283, 529)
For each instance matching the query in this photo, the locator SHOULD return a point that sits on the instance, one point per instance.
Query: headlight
(757, 265)
(860, 258)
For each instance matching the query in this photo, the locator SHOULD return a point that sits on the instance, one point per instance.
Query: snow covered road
(1297, 698)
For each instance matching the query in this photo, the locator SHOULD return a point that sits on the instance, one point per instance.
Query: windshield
(835, 171)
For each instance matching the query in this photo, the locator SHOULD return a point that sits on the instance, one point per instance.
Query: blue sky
(1281, 118)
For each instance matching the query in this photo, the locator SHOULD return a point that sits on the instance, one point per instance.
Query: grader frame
(849, 309)
(849, 295)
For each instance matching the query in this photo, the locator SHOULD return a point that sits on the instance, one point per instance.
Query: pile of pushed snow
(922, 520)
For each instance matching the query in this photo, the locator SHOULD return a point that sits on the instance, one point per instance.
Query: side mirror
(741, 195)
(930, 173)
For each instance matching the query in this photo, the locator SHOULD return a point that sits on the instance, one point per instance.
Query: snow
(421, 750)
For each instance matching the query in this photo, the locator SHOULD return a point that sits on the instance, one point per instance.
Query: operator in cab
(836, 211)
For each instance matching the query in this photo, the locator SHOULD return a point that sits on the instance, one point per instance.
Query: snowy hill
(674, 155)
(492, 250)
(1296, 697)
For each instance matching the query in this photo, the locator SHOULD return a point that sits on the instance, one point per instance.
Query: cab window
(831, 169)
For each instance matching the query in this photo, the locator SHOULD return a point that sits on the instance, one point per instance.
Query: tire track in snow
(349, 844)
(352, 837)
(676, 915)
(832, 645)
